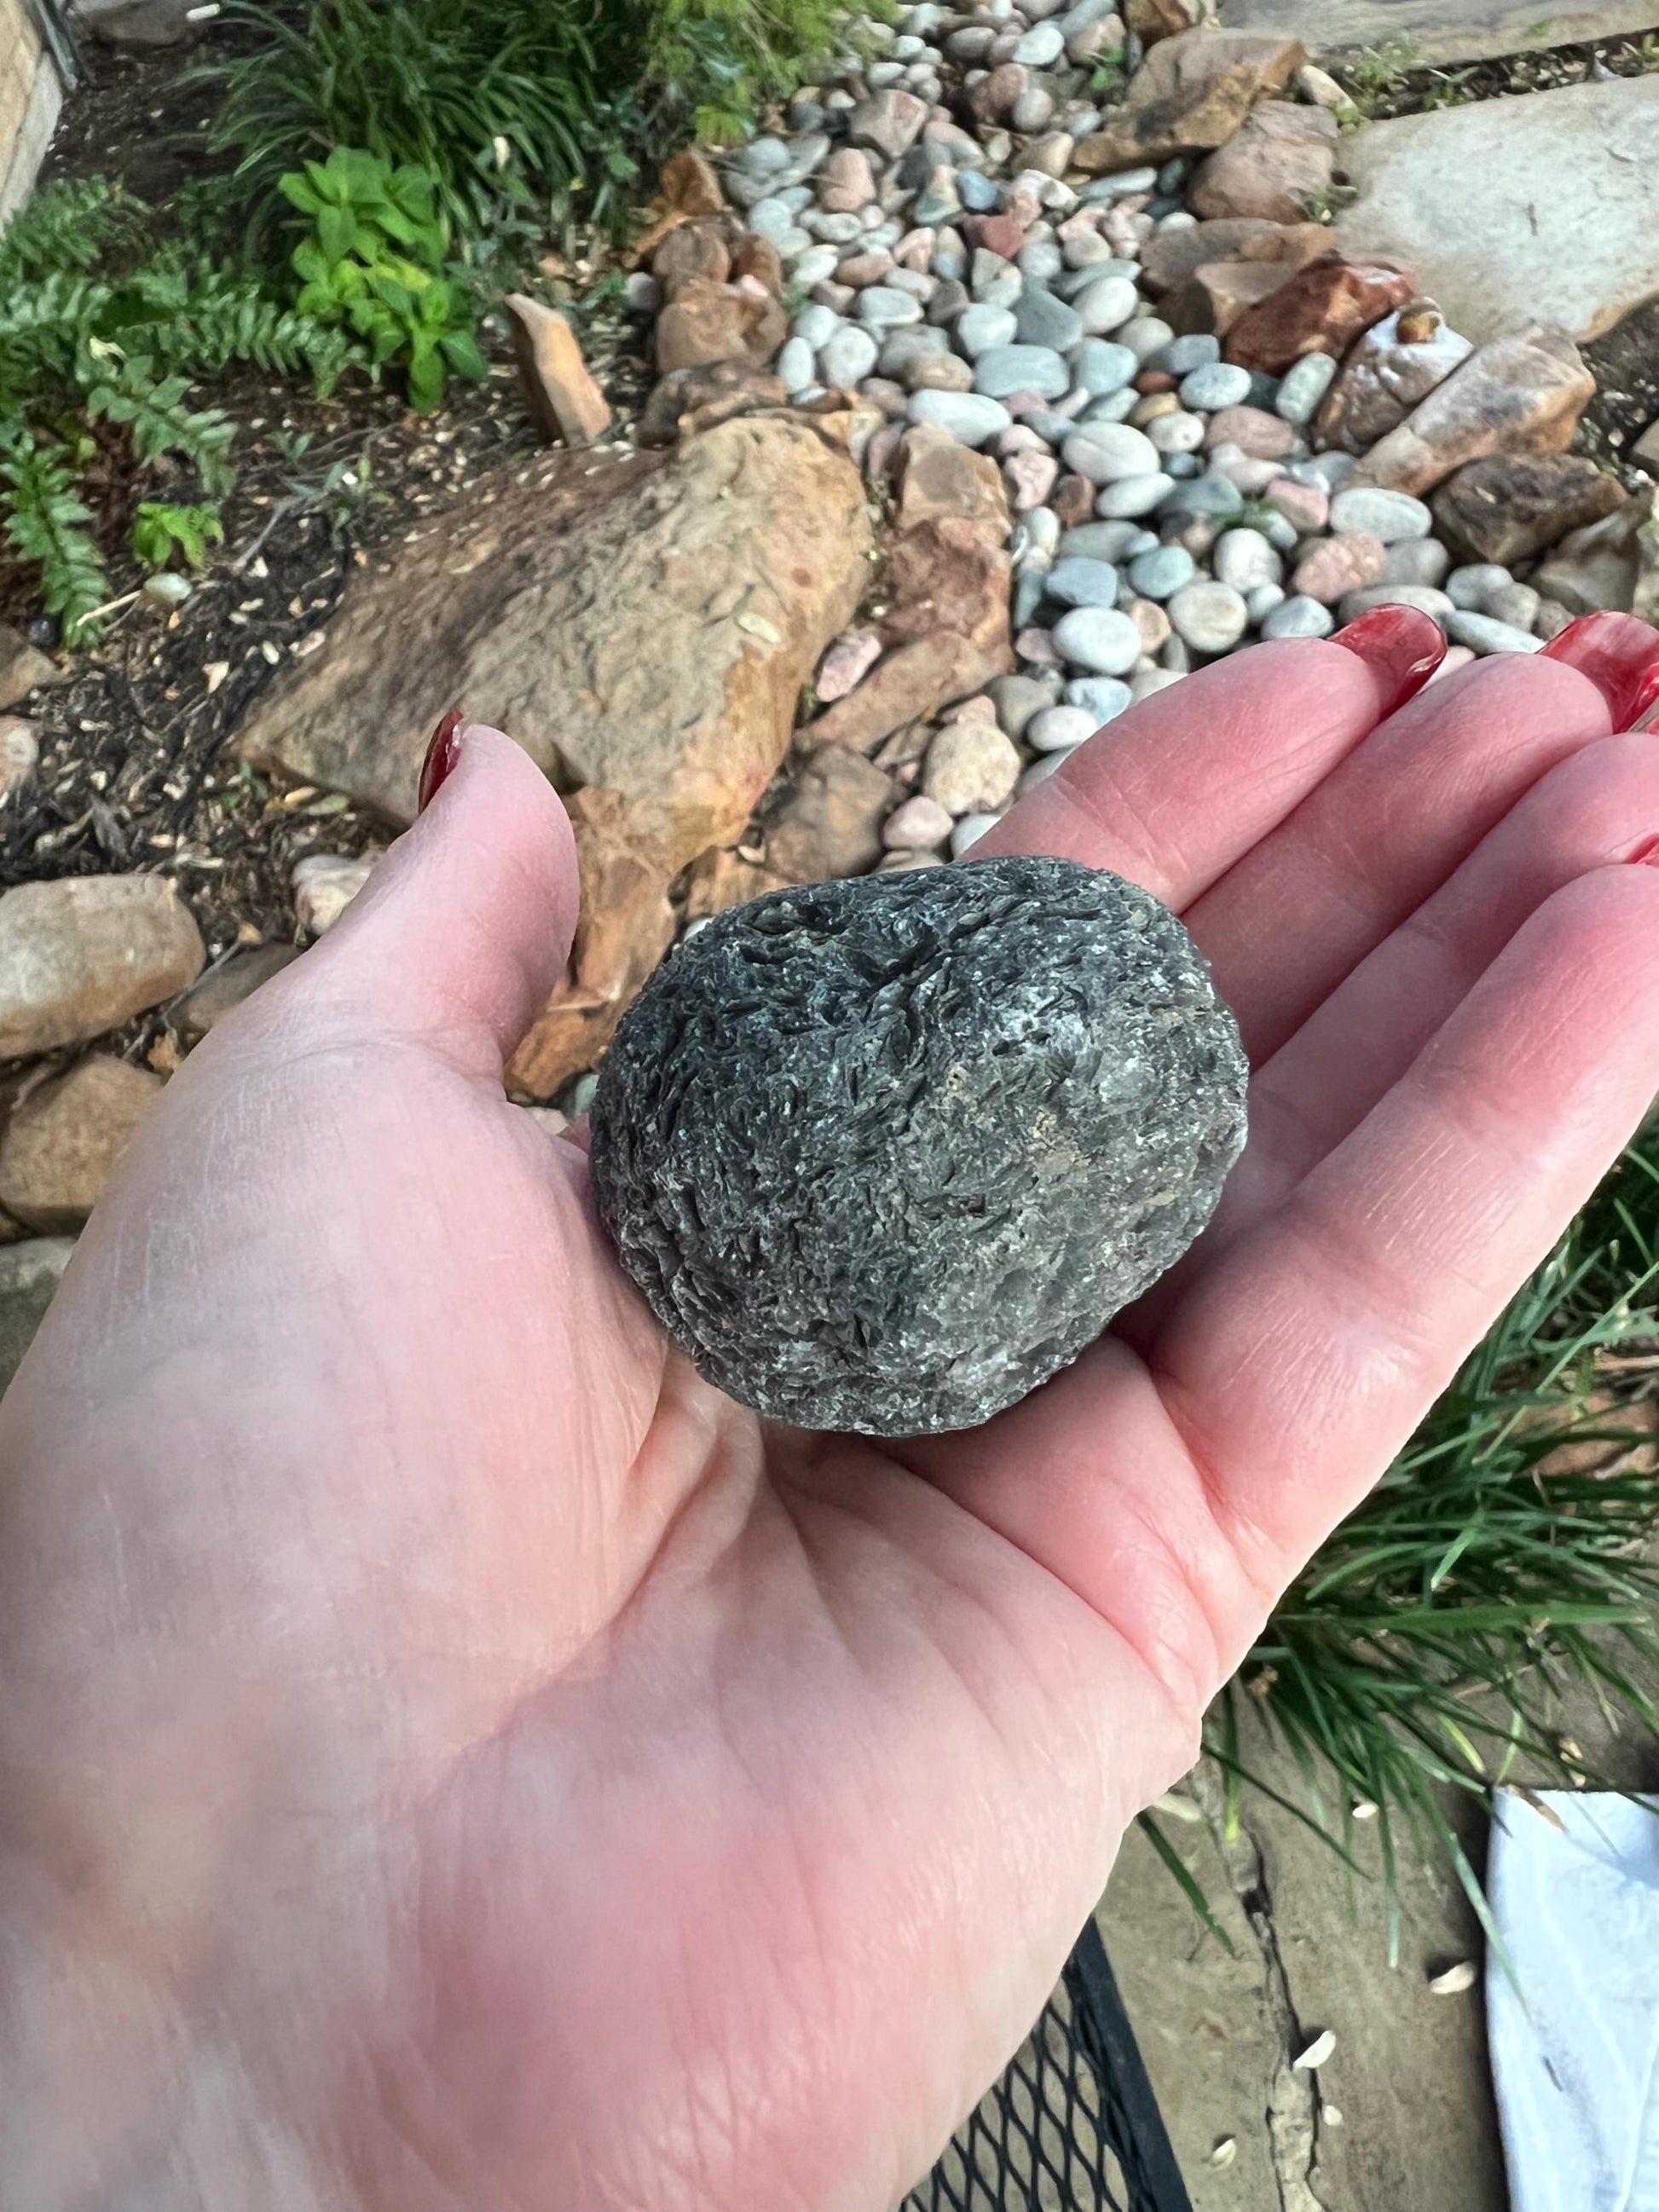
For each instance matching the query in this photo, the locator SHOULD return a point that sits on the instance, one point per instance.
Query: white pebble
(1211, 618)
(968, 831)
(1482, 634)
(1058, 729)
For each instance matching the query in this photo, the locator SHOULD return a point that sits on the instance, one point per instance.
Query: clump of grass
(1491, 1568)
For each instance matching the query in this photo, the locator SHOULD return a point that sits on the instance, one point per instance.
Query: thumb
(464, 926)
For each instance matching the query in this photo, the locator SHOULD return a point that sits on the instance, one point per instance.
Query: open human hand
(452, 1760)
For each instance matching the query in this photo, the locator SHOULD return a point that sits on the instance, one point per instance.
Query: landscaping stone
(1281, 157)
(1333, 567)
(849, 657)
(85, 953)
(1594, 569)
(1304, 387)
(1521, 393)
(1394, 364)
(1431, 32)
(1513, 211)
(910, 683)
(324, 884)
(971, 768)
(1389, 515)
(1210, 617)
(22, 667)
(971, 416)
(64, 1144)
(1192, 92)
(1098, 639)
(740, 557)
(1484, 634)
(20, 753)
(1173, 256)
(1511, 506)
(1321, 308)
(564, 399)
(223, 988)
(948, 575)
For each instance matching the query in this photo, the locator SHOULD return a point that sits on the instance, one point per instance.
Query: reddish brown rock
(1152, 20)
(64, 1144)
(691, 185)
(997, 234)
(912, 683)
(993, 99)
(831, 822)
(948, 575)
(1272, 167)
(1171, 257)
(1396, 363)
(1193, 91)
(563, 400)
(1336, 565)
(1510, 506)
(1322, 308)
(1520, 393)
(692, 252)
(720, 878)
(84, 954)
(706, 322)
(1074, 500)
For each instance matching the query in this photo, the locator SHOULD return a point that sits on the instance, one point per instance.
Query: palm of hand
(603, 1798)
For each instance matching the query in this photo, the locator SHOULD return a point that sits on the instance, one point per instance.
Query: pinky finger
(1300, 1365)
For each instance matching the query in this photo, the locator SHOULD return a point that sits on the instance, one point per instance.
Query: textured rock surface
(1513, 505)
(1322, 308)
(885, 1154)
(82, 955)
(738, 560)
(1272, 167)
(65, 1142)
(1192, 91)
(558, 386)
(1521, 393)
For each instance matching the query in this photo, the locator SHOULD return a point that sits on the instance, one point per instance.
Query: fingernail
(1640, 708)
(1402, 644)
(441, 755)
(1620, 653)
(1646, 854)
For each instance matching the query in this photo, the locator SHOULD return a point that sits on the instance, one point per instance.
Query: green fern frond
(68, 226)
(47, 523)
(160, 423)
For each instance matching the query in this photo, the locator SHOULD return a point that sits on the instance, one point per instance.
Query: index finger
(1175, 790)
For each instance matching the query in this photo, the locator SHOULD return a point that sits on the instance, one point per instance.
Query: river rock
(1332, 567)
(1192, 92)
(1389, 515)
(739, 557)
(64, 1142)
(1483, 634)
(1510, 506)
(1098, 639)
(972, 416)
(1209, 617)
(85, 953)
(1520, 393)
(912, 683)
(971, 768)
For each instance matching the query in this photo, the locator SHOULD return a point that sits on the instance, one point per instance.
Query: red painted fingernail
(1646, 854)
(1402, 644)
(441, 755)
(1620, 653)
(1638, 712)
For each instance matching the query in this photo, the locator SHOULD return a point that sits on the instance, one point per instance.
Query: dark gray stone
(884, 1154)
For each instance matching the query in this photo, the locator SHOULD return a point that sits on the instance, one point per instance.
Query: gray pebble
(1332, 470)
(1205, 495)
(1133, 496)
(1041, 45)
(848, 358)
(1215, 384)
(817, 325)
(1098, 639)
(1040, 261)
(1423, 597)
(1111, 407)
(1004, 369)
(1244, 559)
(1030, 589)
(980, 195)
(1106, 453)
(1180, 357)
(1261, 601)
(1060, 729)
(1177, 432)
(1042, 320)
(1470, 587)
(1389, 515)
(969, 415)
(901, 348)
(1099, 541)
(1017, 700)
(1101, 697)
(1161, 573)
(1102, 368)
(1107, 304)
(1302, 387)
(1146, 336)
(1514, 603)
(1416, 560)
(981, 327)
(1482, 634)
(1299, 618)
(1210, 617)
(883, 309)
(795, 365)
(1075, 583)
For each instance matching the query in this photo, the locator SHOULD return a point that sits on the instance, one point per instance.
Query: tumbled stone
(1394, 364)
(1389, 515)
(1303, 385)
(1299, 616)
(1262, 436)
(971, 767)
(830, 824)
(1482, 634)
(1098, 639)
(1423, 597)
(1105, 452)
(1002, 371)
(881, 1307)
(1211, 618)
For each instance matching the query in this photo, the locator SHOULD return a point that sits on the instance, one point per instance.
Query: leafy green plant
(159, 528)
(375, 263)
(99, 324)
(1418, 1653)
(1379, 73)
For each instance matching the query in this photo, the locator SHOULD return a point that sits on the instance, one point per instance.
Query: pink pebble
(847, 658)
(1336, 565)
(915, 249)
(1265, 437)
(1306, 506)
(979, 709)
(1038, 645)
(1031, 477)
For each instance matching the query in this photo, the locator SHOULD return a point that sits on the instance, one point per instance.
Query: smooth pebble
(1299, 618)
(1098, 639)
(1210, 617)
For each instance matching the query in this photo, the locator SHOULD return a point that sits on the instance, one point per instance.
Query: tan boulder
(708, 322)
(1520, 393)
(720, 878)
(85, 953)
(64, 1142)
(691, 185)
(646, 625)
(831, 822)
(940, 476)
(946, 573)
(692, 253)
(1192, 91)
(1322, 308)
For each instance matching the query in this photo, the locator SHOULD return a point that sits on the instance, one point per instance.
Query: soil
(133, 771)
(1384, 83)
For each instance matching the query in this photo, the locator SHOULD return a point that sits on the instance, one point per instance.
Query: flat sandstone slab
(1439, 30)
(1534, 208)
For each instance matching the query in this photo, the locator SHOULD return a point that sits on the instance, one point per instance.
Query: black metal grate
(1072, 2126)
